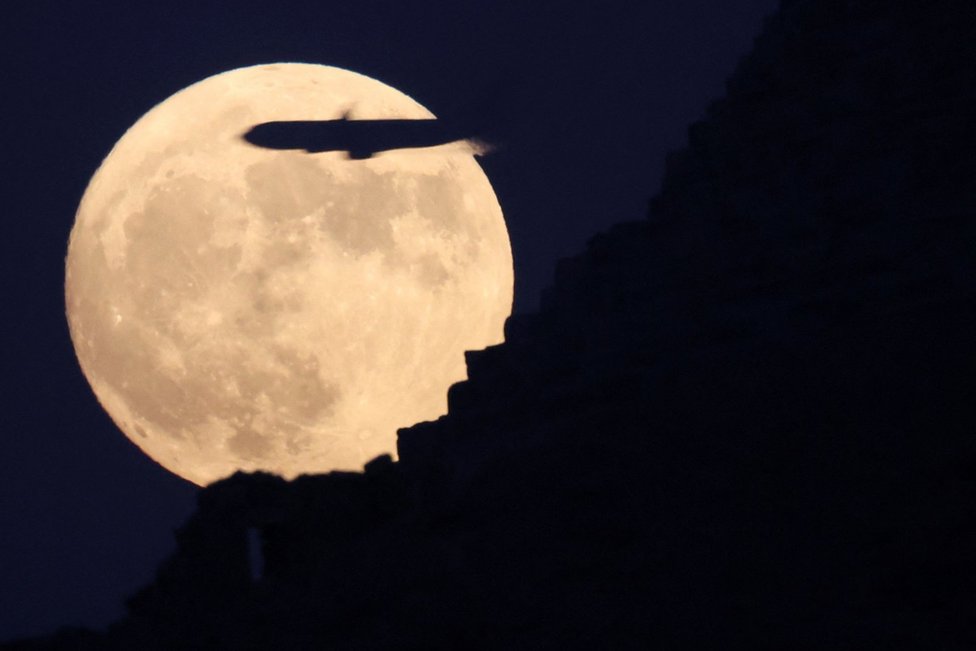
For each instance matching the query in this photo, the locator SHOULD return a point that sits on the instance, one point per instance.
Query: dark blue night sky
(583, 100)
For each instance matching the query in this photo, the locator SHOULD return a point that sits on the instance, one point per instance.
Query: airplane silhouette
(359, 138)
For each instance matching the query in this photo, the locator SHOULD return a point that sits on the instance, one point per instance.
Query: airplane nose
(253, 135)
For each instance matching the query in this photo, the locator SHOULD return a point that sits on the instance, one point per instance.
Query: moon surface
(241, 308)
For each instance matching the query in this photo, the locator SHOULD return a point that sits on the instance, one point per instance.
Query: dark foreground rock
(748, 421)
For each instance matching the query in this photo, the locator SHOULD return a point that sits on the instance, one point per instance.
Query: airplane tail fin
(480, 147)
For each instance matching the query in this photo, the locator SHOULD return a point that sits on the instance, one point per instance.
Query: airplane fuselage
(360, 138)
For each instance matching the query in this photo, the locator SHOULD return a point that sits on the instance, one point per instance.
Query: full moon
(238, 308)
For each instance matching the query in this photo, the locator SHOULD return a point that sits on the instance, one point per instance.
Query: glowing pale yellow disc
(241, 308)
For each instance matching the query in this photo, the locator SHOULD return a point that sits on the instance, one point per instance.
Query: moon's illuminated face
(242, 308)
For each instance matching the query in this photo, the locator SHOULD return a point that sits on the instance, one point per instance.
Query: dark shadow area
(360, 138)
